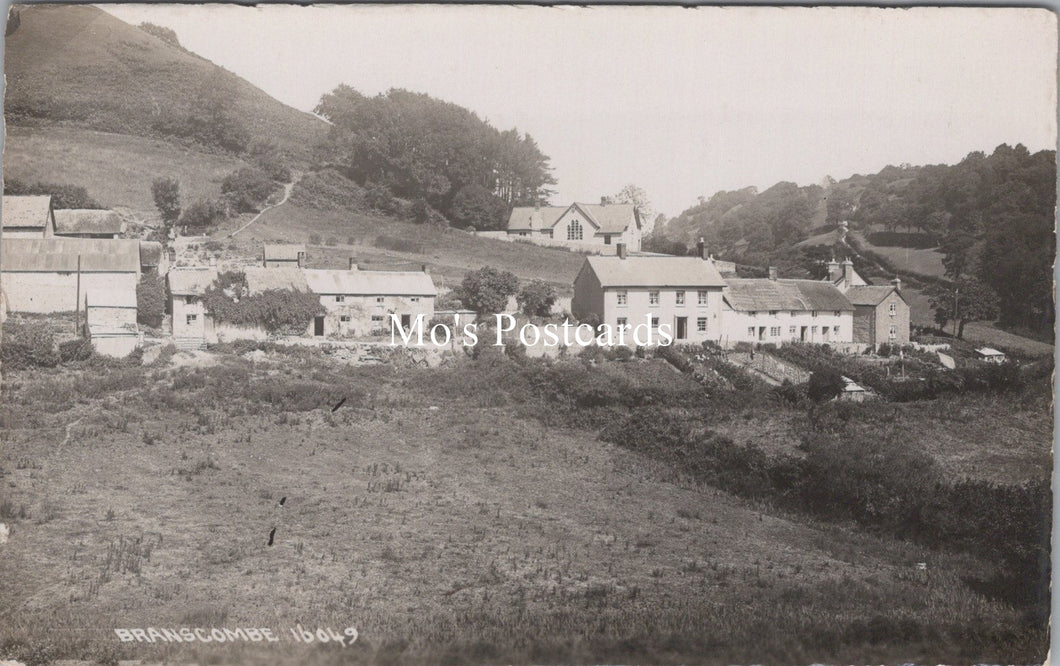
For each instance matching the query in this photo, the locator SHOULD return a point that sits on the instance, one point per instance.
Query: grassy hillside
(471, 533)
(117, 169)
(450, 253)
(80, 66)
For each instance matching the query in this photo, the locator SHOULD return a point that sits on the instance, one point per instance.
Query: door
(318, 325)
(682, 328)
(802, 334)
(406, 322)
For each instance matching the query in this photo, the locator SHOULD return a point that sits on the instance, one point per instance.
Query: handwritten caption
(322, 635)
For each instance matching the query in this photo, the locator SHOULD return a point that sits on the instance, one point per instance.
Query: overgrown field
(474, 513)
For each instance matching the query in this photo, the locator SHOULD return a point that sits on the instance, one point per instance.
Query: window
(340, 299)
(623, 323)
(345, 319)
(680, 297)
(750, 331)
(622, 297)
(835, 331)
(192, 318)
(813, 330)
(752, 313)
(191, 300)
(653, 298)
(893, 309)
(773, 313)
(791, 331)
(814, 313)
(837, 313)
(377, 319)
(574, 230)
(893, 332)
(607, 240)
(774, 331)
(415, 299)
(655, 322)
(701, 324)
(379, 299)
(702, 295)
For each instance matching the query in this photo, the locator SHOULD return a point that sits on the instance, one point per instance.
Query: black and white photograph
(519, 334)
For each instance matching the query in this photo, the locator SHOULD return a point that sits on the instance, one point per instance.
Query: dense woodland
(412, 146)
(990, 216)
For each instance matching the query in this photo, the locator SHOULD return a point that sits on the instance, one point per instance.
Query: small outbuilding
(88, 223)
(990, 355)
(110, 322)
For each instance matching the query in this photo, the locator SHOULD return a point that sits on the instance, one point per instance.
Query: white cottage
(360, 302)
(773, 310)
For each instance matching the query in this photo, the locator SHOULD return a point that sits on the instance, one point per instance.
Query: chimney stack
(848, 272)
(353, 264)
(701, 249)
(620, 250)
(833, 270)
(897, 282)
(773, 273)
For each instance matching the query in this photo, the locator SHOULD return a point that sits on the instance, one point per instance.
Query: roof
(266, 279)
(726, 268)
(26, 211)
(989, 351)
(753, 295)
(609, 218)
(111, 298)
(528, 217)
(370, 283)
(87, 221)
(281, 252)
(191, 281)
(868, 294)
(98, 255)
(654, 271)
(150, 253)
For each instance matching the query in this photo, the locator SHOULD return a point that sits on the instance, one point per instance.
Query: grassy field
(922, 262)
(445, 520)
(117, 169)
(449, 253)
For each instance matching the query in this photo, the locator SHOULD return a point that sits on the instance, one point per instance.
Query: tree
(968, 300)
(486, 291)
(247, 189)
(166, 192)
(631, 194)
(536, 299)
(476, 206)
(167, 35)
(824, 385)
(202, 214)
(150, 300)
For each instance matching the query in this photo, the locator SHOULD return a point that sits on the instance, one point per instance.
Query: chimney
(620, 250)
(301, 259)
(353, 264)
(833, 270)
(897, 282)
(773, 273)
(701, 249)
(848, 271)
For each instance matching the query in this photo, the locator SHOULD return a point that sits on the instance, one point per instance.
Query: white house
(578, 225)
(772, 310)
(27, 216)
(186, 288)
(360, 302)
(683, 293)
(53, 274)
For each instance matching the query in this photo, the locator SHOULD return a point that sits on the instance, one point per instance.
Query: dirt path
(287, 188)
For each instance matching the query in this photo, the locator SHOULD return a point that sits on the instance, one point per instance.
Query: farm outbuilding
(45, 275)
(27, 216)
(110, 322)
(990, 355)
(88, 223)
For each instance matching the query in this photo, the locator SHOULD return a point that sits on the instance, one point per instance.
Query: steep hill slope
(78, 65)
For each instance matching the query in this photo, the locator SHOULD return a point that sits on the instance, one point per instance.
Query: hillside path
(287, 188)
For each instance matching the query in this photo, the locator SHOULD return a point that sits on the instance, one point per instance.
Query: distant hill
(78, 66)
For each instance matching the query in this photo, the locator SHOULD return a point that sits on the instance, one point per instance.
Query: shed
(88, 223)
(110, 322)
(990, 355)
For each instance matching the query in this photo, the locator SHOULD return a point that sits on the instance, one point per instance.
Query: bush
(378, 197)
(275, 310)
(536, 299)
(28, 345)
(328, 189)
(150, 300)
(203, 214)
(247, 189)
(63, 196)
(487, 289)
(166, 192)
(824, 384)
(75, 350)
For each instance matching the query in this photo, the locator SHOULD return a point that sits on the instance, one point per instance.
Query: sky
(681, 102)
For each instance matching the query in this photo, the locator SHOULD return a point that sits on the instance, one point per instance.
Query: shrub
(328, 189)
(487, 289)
(166, 192)
(150, 300)
(247, 189)
(28, 345)
(825, 384)
(275, 310)
(536, 299)
(63, 196)
(79, 349)
(203, 214)
(378, 197)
